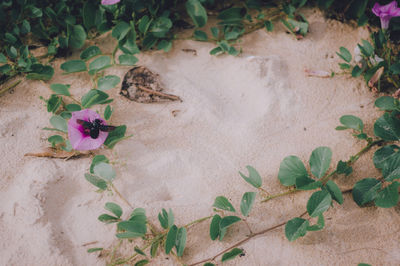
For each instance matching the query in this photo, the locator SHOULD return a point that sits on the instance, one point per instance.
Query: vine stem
(244, 240)
(326, 178)
(10, 87)
(154, 232)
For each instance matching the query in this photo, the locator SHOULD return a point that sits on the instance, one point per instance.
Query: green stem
(198, 221)
(113, 54)
(75, 100)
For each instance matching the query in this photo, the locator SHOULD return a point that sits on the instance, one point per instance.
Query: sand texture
(254, 109)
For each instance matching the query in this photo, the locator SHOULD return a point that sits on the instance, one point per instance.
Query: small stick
(169, 96)
(90, 243)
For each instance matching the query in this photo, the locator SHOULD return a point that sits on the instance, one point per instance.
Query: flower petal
(76, 133)
(109, 2)
(377, 9)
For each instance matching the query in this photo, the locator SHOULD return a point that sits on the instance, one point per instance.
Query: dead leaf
(143, 86)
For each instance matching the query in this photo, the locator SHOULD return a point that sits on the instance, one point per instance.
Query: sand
(254, 109)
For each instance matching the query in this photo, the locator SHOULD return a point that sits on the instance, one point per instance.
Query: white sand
(253, 109)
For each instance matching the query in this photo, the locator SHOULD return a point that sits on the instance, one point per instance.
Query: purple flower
(109, 2)
(79, 136)
(386, 12)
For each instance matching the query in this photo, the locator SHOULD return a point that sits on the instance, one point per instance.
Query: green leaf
(107, 112)
(268, 25)
(335, 191)
(108, 219)
(318, 203)
(180, 241)
(160, 27)
(89, 14)
(254, 177)
(351, 121)
(231, 254)
(196, 12)
(144, 24)
(138, 215)
(395, 68)
(215, 32)
(105, 171)
(387, 127)
(77, 37)
(136, 229)
(127, 235)
(114, 208)
(94, 97)
(60, 89)
(320, 160)
(295, 228)
(366, 190)
(96, 160)
(356, 72)
(5, 69)
(96, 181)
(247, 202)
(25, 27)
(59, 123)
(35, 12)
(343, 168)
(120, 30)
(344, 66)
(214, 226)
(383, 155)
(226, 222)
(366, 49)
(73, 66)
(127, 60)
(391, 168)
(223, 203)
(115, 136)
(166, 218)
(164, 45)
(319, 226)
(99, 63)
(91, 250)
(386, 103)
(40, 72)
(55, 139)
(90, 52)
(53, 103)
(142, 262)
(232, 16)
(290, 169)
(171, 239)
(3, 58)
(389, 196)
(200, 35)
(344, 54)
(139, 251)
(209, 264)
(306, 183)
(107, 82)
(153, 249)
(216, 50)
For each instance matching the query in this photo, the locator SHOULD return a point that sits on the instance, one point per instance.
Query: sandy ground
(254, 109)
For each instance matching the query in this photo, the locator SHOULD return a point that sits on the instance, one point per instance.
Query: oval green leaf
(295, 228)
(320, 160)
(291, 168)
(318, 203)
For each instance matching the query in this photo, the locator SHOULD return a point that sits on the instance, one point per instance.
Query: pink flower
(109, 2)
(386, 12)
(79, 136)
